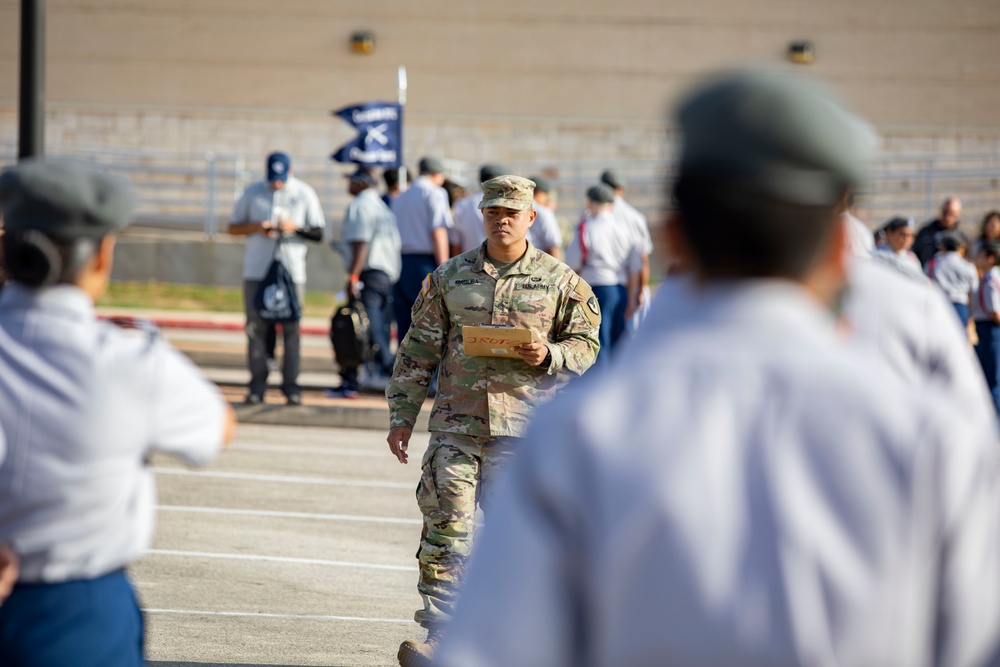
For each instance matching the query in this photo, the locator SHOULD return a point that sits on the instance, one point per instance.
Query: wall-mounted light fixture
(363, 41)
(801, 53)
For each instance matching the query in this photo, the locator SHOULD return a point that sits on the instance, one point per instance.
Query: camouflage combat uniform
(482, 403)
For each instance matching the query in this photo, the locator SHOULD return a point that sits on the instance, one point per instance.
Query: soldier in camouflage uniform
(483, 403)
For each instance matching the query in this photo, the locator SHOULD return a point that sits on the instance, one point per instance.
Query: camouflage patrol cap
(782, 135)
(508, 191)
(64, 199)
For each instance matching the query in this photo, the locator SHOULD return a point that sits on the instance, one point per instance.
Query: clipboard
(494, 340)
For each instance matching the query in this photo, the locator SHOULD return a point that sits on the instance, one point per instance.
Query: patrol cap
(508, 191)
(542, 184)
(430, 165)
(64, 199)
(278, 166)
(777, 133)
(488, 171)
(601, 194)
(612, 178)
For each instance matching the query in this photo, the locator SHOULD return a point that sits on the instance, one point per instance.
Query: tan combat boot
(419, 654)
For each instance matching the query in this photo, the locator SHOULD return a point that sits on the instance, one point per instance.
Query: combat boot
(419, 654)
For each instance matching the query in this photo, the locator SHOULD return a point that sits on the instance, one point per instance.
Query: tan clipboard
(494, 340)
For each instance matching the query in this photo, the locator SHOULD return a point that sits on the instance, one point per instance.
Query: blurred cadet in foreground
(483, 402)
(745, 487)
(83, 405)
(279, 214)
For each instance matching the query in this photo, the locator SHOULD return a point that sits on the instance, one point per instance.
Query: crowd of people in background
(965, 269)
(395, 235)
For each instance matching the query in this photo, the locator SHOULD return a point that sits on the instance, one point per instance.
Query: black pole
(31, 119)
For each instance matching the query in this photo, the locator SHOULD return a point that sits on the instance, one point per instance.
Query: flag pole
(401, 85)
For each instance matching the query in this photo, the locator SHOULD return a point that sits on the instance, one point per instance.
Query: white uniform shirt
(987, 297)
(83, 404)
(860, 241)
(468, 232)
(635, 222)
(420, 209)
(544, 232)
(954, 275)
(741, 489)
(603, 252)
(913, 328)
(297, 201)
(368, 219)
(905, 261)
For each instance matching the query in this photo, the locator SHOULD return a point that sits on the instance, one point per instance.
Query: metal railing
(196, 191)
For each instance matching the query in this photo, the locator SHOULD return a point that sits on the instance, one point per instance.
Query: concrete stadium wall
(192, 259)
(525, 81)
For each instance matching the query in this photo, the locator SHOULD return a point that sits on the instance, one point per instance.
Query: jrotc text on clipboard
(494, 340)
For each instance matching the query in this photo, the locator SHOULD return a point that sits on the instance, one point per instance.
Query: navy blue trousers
(613, 300)
(82, 623)
(415, 269)
(988, 351)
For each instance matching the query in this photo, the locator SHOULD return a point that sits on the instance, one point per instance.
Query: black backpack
(349, 334)
(277, 299)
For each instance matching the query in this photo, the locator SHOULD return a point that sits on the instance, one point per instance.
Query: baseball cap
(65, 199)
(278, 166)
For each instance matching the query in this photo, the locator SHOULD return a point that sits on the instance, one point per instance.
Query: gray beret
(542, 184)
(779, 133)
(491, 171)
(613, 179)
(602, 194)
(430, 165)
(65, 199)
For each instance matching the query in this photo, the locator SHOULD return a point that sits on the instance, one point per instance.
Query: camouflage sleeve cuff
(556, 359)
(396, 419)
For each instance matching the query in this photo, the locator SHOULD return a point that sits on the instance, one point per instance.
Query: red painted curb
(131, 322)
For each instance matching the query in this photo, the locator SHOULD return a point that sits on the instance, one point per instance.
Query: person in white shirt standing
(896, 252)
(745, 487)
(956, 277)
(545, 234)
(604, 252)
(636, 223)
(986, 315)
(280, 207)
(468, 232)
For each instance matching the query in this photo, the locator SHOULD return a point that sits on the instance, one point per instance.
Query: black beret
(65, 199)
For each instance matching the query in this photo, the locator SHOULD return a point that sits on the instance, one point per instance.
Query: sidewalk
(217, 344)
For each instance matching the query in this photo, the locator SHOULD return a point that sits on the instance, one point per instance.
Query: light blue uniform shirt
(956, 277)
(368, 219)
(468, 231)
(544, 233)
(83, 405)
(742, 488)
(419, 210)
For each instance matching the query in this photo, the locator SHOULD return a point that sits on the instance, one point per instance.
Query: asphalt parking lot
(295, 547)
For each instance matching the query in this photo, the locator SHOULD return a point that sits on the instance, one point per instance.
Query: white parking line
(246, 614)
(280, 559)
(288, 515)
(409, 486)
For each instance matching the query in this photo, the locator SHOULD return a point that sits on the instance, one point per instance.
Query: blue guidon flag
(379, 140)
